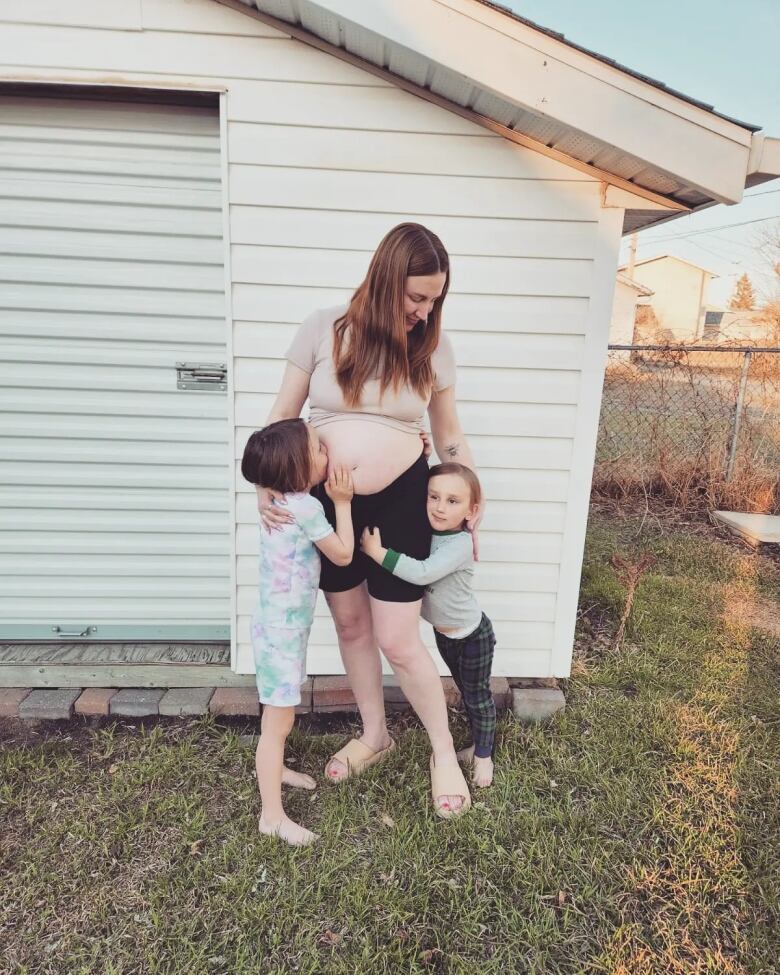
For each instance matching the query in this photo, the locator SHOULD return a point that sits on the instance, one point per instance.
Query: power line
(712, 230)
(736, 243)
(715, 253)
(765, 193)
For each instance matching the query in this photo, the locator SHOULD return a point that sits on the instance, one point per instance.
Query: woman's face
(420, 293)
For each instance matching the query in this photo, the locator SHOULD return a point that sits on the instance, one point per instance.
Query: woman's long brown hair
(370, 340)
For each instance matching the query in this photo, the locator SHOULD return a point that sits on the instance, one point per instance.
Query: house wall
(679, 296)
(621, 327)
(746, 326)
(321, 160)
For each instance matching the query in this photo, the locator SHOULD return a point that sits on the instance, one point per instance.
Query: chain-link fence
(693, 423)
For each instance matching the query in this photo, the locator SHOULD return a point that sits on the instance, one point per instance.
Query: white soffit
(485, 59)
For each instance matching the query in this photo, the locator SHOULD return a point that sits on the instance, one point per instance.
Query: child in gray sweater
(464, 634)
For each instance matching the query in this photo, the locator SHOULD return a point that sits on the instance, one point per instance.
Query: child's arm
(419, 572)
(339, 546)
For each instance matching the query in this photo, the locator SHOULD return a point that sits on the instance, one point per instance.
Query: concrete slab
(136, 702)
(180, 701)
(536, 703)
(49, 705)
(757, 529)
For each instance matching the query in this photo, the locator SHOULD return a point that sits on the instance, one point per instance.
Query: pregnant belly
(376, 454)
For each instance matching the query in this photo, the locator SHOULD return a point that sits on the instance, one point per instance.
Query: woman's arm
(291, 396)
(448, 437)
(450, 444)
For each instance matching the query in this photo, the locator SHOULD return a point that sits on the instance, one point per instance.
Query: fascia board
(693, 145)
(611, 74)
(765, 155)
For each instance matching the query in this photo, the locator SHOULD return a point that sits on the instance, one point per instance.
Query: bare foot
(482, 775)
(287, 830)
(466, 755)
(297, 779)
(336, 770)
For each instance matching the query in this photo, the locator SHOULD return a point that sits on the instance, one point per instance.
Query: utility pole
(631, 255)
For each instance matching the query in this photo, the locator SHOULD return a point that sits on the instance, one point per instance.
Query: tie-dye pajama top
(289, 578)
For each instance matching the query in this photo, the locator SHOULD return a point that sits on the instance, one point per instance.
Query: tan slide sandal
(357, 757)
(448, 780)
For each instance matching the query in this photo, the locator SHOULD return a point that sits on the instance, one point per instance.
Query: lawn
(635, 834)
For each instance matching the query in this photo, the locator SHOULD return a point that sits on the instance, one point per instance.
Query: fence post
(738, 408)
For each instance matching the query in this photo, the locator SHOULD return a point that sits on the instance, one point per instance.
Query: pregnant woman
(370, 369)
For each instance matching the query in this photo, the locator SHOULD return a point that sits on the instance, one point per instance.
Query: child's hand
(339, 485)
(371, 544)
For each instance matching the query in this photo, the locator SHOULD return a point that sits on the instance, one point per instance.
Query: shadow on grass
(701, 895)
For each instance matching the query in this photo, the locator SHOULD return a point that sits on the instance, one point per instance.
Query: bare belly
(376, 454)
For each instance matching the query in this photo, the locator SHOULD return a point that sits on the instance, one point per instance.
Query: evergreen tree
(744, 297)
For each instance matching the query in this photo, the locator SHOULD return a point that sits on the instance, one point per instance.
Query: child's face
(449, 502)
(319, 457)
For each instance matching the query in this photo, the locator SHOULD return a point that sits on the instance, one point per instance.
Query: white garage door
(114, 481)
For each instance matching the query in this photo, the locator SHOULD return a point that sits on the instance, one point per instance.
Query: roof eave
(690, 150)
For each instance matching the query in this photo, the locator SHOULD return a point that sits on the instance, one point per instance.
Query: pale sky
(724, 53)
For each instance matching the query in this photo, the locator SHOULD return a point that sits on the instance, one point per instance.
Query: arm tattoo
(452, 450)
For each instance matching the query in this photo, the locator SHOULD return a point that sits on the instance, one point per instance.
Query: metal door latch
(201, 376)
(83, 632)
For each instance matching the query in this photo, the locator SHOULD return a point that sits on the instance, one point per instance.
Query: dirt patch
(743, 609)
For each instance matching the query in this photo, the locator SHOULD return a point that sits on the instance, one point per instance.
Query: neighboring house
(738, 325)
(184, 180)
(679, 298)
(628, 294)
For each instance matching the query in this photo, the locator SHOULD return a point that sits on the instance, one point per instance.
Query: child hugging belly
(288, 458)
(464, 634)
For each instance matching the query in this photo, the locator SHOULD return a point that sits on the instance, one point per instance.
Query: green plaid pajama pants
(470, 660)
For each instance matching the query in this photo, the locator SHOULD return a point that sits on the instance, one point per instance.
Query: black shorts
(399, 512)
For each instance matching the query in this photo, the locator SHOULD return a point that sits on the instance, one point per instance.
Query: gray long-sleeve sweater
(448, 577)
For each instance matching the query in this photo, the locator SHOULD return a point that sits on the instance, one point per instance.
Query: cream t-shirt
(404, 409)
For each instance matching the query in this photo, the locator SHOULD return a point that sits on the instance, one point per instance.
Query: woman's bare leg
(351, 613)
(397, 628)
(269, 763)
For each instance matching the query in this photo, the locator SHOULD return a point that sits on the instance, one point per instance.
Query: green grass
(635, 834)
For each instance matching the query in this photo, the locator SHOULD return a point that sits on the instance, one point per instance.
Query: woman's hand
(371, 544)
(272, 515)
(339, 485)
(473, 526)
(427, 445)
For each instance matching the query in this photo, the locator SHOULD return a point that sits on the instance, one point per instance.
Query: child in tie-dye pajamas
(287, 458)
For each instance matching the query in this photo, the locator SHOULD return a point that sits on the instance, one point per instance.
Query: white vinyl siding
(322, 159)
(114, 486)
(308, 206)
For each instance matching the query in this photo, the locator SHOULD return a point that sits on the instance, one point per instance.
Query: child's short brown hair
(279, 457)
(466, 473)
